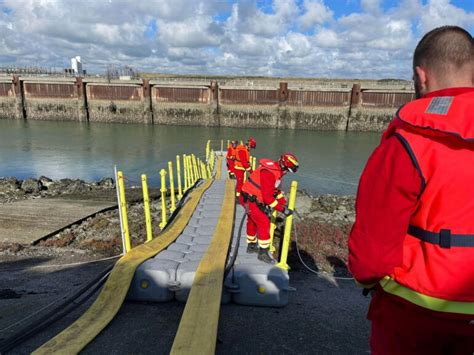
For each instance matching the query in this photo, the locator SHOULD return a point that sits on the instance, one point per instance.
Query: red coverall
(239, 170)
(258, 223)
(230, 159)
(386, 199)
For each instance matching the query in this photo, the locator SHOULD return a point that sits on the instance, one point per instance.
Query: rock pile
(12, 189)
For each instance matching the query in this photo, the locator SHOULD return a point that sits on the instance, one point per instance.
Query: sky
(302, 38)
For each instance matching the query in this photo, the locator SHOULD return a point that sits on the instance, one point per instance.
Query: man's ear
(422, 77)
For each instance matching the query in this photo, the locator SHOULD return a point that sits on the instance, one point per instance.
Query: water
(331, 162)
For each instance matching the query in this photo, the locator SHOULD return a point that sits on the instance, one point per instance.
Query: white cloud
(285, 37)
(316, 13)
(440, 12)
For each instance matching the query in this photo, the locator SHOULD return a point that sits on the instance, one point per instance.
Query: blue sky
(306, 38)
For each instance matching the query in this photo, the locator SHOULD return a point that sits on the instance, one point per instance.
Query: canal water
(331, 162)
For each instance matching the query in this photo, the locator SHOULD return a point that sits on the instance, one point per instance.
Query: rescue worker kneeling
(261, 192)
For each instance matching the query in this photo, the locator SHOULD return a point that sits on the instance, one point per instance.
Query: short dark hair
(444, 48)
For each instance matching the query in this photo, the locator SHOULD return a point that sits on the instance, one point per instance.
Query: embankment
(282, 106)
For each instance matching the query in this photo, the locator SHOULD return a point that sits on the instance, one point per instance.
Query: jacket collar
(448, 111)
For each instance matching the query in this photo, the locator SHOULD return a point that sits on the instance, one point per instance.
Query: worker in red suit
(261, 192)
(231, 158)
(413, 239)
(242, 165)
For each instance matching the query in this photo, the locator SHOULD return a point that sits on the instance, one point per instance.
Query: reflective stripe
(389, 285)
(237, 194)
(264, 244)
(238, 167)
(273, 204)
(251, 239)
(279, 196)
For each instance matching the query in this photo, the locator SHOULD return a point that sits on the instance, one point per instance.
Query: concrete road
(321, 317)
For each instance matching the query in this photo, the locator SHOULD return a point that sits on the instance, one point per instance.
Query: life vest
(438, 250)
(252, 186)
(238, 163)
(231, 152)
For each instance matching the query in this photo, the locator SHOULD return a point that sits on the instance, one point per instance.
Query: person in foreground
(261, 192)
(413, 239)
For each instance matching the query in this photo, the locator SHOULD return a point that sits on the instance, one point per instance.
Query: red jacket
(390, 199)
(264, 183)
(242, 156)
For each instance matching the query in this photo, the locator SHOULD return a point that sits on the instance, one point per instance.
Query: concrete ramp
(28, 221)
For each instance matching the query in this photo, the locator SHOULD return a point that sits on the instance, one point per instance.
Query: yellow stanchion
(272, 230)
(190, 171)
(203, 170)
(178, 176)
(198, 166)
(123, 207)
(163, 198)
(209, 172)
(195, 168)
(254, 163)
(172, 195)
(208, 149)
(185, 173)
(287, 233)
(228, 142)
(146, 206)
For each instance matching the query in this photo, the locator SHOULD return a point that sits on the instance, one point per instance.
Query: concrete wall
(120, 103)
(145, 101)
(10, 101)
(184, 106)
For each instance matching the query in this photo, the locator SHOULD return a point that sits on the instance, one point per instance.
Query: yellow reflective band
(273, 204)
(435, 304)
(293, 160)
(279, 196)
(264, 243)
(237, 194)
(238, 167)
(251, 238)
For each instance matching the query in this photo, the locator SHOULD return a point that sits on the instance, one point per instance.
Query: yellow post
(163, 198)
(190, 170)
(272, 230)
(123, 206)
(287, 233)
(198, 166)
(254, 163)
(172, 195)
(178, 176)
(209, 172)
(146, 206)
(187, 178)
(195, 168)
(208, 149)
(222, 145)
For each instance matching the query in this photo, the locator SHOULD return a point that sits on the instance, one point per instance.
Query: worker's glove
(287, 212)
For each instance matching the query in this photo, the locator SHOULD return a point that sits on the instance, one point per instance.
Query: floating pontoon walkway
(186, 262)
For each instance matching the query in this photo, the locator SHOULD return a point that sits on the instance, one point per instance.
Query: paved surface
(28, 221)
(321, 317)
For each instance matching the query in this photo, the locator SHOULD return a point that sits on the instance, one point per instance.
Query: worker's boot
(252, 248)
(265, 256)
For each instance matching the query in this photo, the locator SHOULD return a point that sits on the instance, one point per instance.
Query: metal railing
(193, 170)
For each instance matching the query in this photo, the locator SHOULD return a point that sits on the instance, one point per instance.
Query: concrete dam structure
(283, 105)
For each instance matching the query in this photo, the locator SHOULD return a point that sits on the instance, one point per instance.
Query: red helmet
(289, 162)
(252, 142)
